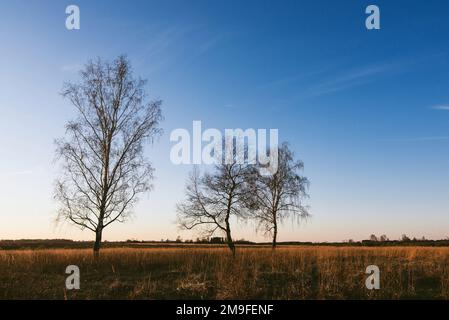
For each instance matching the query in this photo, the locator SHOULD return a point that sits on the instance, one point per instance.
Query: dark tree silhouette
(213, 198)
(279, 195)
(104, 169)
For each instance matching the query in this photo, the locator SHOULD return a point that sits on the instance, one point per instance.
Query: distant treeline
(214, 241)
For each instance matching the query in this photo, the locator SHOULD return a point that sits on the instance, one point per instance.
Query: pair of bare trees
(239, 191)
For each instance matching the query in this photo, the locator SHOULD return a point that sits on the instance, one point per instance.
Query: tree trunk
(97, 244)
(275, 233)
(229, 237)
(230, 242)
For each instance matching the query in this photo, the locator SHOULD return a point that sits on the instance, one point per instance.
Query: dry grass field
(211, 273)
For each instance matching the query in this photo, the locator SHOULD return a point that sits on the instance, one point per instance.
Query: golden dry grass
(211, 273)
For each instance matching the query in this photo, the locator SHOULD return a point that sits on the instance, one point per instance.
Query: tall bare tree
(213, 198)
(104, 168)
(279, 196)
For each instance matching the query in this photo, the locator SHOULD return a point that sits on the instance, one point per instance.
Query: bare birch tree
(213, 198)
(103, 165)
(279, 196)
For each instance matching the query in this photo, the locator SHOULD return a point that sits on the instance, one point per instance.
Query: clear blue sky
(367, 111)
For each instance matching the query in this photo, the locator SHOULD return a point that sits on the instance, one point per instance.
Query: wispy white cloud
(158, 48)
(209, 44)
(294, 78)
(313, 87)
(71, 68)
(440, 107)
(418, 139)
(233, 106)
(329, 80)
(162, 46)
(353, 78)
(371, 73)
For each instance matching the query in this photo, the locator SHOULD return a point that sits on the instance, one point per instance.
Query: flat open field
(211, 273)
